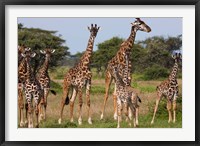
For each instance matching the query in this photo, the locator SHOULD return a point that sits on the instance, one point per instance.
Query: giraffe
(119, 61)
(21, 49)
(169, 89)
(126, 95)
(77, 77)
(44, 80)
(32, 90)
(21, 80)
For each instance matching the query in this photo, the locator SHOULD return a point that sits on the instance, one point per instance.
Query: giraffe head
(22, 49)
(93, 30)
(177, 57)
(47, 52)
(140, 25)
(27, 54)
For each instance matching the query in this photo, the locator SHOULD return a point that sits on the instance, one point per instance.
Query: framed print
(100, 73)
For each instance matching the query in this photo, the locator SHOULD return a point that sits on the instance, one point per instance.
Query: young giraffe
(32, 90)
(169, 89)
(44, 80)
(21, 80)
(77, 77)
(119, 61)
(126, 95)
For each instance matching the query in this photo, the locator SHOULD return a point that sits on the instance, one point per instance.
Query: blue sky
(74, 30)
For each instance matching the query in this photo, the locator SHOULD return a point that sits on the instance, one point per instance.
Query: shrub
(155, 72)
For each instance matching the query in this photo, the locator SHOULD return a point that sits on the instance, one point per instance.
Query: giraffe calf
(127, 96)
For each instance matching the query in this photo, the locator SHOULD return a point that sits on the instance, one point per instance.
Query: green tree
(38, 39)
(106, 50)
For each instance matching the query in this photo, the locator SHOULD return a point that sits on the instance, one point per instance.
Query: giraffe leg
(21, 105)
(174, 111)
(115, 102)
(26, 114)
(29, 109)
(136, 116)
(156, 107)
(41, 109)
(46, 93)
(88, 88)
(108, 81)
(130, 113)
(37, 117)
(80, 106)
(127, 112)
(74, 94)
(30, 115)
(63, 101)
(169, 107)
(119, 107)
(37, 95)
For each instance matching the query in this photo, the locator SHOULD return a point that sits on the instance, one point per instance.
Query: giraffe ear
(173, 56)
(33, 54)
(42, 51)
(53, 50)
(23, 55)
(27, 49)
(133, 23)
(180, 56)
(88, 28)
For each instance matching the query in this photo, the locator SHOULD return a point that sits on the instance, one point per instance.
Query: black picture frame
(3, 5)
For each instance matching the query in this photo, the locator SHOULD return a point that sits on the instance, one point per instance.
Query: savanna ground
(147, 93)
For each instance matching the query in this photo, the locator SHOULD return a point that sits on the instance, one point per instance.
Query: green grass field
(147, 93)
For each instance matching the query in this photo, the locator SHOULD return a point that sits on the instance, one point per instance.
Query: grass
(146, 91)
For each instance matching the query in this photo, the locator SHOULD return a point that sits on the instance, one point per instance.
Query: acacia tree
(106, 50)
(152, 54)
(38, 39)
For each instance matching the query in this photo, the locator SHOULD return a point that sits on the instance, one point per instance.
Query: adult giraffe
(22, 74)
(169, 89)
(119, 61)
(77, 77)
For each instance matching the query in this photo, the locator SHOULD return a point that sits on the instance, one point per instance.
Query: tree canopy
(38, 39)
(152, 53)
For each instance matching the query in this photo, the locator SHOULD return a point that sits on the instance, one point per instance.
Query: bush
(155, 72)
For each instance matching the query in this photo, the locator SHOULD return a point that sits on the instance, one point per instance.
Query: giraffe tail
(139, 99)
(131, 105)
(53, 92)
(67, 100)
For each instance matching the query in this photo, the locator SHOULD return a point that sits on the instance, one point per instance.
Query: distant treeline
(151, 56)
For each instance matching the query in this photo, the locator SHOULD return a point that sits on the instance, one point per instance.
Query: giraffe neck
(119, 80)
(126, 69)
(131, 38)
(88, 53)
(22, 65)
(45, 65)
(174, 71)
(29, 72)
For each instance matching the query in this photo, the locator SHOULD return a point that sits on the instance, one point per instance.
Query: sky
(74, 30)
